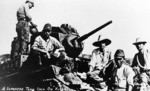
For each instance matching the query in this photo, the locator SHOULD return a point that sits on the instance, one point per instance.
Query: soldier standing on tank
(22, 27)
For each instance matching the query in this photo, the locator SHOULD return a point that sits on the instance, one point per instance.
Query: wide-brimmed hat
(101, 40)
(47, 27)
(139, 40)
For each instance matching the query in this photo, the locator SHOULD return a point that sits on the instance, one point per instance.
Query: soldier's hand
(33, 25)
(48, 55)
(68, 58)
(136, 69)
(57, 53)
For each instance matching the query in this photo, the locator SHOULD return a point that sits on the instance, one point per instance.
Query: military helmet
(119, 53)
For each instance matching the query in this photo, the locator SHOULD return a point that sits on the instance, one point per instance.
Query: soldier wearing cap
(122, 74)
(141, 60)
(22, 27)
(47, 45)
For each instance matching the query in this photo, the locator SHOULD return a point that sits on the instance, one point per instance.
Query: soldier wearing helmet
(119, 74)
(22, 27)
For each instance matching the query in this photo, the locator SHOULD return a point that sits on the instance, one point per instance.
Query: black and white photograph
(75, 45)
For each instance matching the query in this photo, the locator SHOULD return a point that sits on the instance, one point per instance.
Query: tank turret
(73, 43)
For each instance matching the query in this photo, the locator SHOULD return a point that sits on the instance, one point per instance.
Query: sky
(130, 19)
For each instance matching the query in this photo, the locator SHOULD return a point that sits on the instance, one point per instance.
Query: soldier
(22, 27)
(99, 59)
(141, 61)
(122, 74)
(48, 46)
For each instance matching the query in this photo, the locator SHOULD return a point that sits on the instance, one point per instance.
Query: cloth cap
(100, 40)
(47, 27)
(31, 1)
(139, 40)
(119, 53)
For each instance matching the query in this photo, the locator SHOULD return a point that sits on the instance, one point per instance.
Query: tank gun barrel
(92, 32)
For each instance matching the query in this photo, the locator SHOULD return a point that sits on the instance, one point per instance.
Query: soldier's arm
(130, 75)
(36, 46)
(130, 88)
(59, 47)
(147, 61)
(57, 44)
(92, 62)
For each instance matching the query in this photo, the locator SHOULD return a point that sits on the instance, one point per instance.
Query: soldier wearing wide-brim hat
(139, 41)
(99, 59)
(101, 53)
(141, 60)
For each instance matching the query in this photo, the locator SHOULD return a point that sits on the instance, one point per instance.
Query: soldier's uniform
(22, 27)
(122, 77)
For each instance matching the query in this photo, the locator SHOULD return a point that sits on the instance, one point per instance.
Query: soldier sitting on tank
(49, 48)
(100, 57)
(118, 74)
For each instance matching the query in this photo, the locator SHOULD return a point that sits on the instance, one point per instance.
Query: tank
(70, 39)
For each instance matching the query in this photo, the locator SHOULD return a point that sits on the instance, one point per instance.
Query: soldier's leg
(23, 47)
(19, 29)
(144, 77)
(25, 39)
(144, 82)
(94, 76)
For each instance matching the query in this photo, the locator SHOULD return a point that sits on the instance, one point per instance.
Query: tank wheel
(55, 85)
